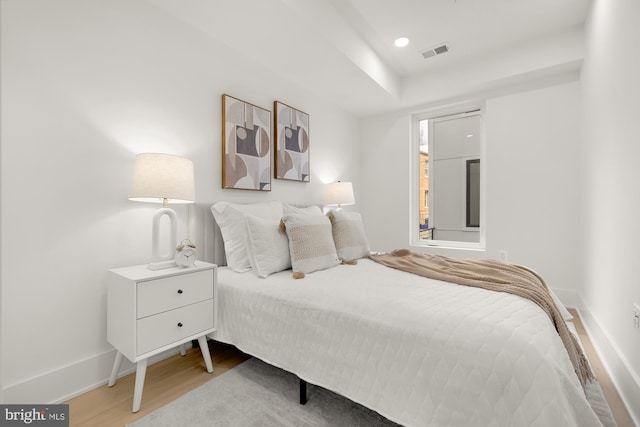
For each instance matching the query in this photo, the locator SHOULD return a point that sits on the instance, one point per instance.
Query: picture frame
(246, 145)
(291, 141)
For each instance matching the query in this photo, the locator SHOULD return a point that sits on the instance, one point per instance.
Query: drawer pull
(179, 291)
(179, 324)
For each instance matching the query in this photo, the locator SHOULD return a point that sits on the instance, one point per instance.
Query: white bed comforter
(418, 351)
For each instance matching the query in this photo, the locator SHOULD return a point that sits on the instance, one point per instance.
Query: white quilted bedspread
(418, 351)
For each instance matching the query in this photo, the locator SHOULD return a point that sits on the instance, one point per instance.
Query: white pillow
(349, 235)
(307, 210)
(310, 242)
(230, 219)
(268, 247)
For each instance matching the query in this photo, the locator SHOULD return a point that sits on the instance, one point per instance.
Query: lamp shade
(339, 194)
(162, 177)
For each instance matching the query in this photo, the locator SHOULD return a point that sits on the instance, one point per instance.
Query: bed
(420, 352)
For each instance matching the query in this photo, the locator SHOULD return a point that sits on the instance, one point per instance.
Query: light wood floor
(165, 381)
(620, 413)
(172, 377)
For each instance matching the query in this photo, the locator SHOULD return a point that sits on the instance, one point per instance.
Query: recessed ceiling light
(401, 42)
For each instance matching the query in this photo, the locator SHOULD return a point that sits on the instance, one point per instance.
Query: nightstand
(149, 312)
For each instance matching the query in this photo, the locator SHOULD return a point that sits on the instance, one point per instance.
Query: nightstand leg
(116, 367)
(183, 350)
(204, 347)
(141, 371)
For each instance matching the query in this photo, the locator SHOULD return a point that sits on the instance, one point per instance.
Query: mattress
(420, 352)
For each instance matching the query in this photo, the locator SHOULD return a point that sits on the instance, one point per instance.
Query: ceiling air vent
(438, 50)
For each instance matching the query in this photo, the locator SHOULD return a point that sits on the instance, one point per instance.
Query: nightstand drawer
(170, 326)
(157, 296)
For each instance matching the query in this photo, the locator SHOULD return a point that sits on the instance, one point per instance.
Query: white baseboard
(69, 381)
(624, 378)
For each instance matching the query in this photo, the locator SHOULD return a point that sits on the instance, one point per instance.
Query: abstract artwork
(292, 143)
(246, 145)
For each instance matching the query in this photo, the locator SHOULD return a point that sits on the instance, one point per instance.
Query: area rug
(257, 394)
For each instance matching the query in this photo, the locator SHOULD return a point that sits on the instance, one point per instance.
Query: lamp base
(161, 261)
(161, 265)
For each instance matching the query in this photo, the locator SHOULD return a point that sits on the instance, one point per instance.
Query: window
(447, 198)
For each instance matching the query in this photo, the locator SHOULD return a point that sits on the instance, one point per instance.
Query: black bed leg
(303, 392)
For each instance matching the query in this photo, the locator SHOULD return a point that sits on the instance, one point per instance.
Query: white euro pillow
(230, 219)
(305, 210)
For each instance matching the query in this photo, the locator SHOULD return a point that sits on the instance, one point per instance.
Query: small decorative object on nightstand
(185, 254)
(151, 311)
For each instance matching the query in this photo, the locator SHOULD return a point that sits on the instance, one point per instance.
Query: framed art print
(246, 145)
(291, 142)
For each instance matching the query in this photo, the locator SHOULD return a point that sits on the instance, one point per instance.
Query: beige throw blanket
(495, 276)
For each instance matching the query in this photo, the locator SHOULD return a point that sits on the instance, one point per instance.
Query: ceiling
(343, 49)
(470, 27)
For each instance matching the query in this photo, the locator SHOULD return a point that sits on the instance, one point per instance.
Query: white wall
(532, 140)
(612, 152)
(85, 86)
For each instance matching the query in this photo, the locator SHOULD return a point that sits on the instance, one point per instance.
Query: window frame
(415, 175)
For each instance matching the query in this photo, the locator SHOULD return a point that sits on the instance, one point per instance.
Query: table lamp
(339, 194)
(163, 178)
